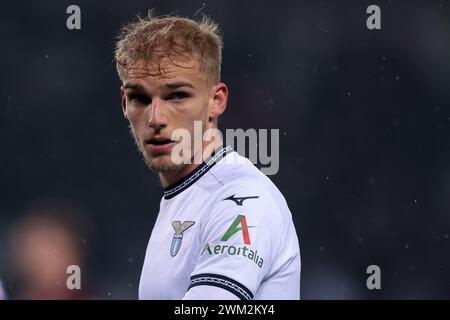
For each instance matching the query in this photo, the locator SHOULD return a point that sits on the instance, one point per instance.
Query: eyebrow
(178, 84)
(173, 85)
(134, 86)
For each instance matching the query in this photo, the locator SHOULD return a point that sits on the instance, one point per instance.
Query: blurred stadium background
(364, 119)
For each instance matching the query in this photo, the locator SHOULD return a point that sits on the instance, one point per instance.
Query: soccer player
(224, 231)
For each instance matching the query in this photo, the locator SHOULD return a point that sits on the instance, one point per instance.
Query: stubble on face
(155, 163)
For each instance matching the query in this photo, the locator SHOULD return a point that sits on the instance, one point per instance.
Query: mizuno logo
(240, 200)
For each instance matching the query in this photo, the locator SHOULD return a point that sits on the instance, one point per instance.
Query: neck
(170, 177)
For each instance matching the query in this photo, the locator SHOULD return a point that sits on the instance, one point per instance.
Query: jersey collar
(184, 183)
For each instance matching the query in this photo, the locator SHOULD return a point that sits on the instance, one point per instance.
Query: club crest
(179, 228)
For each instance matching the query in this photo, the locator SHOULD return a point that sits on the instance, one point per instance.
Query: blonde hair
(179, 39)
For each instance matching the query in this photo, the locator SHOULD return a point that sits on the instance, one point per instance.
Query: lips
(160, 144)
(159, 141)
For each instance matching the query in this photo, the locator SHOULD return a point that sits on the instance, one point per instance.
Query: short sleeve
(239, 241)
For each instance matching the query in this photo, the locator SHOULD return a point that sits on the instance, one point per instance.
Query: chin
(162, 163)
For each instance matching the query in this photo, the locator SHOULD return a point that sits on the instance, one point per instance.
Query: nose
(157, 118)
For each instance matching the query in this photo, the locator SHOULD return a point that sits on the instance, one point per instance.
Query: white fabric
(257, 258)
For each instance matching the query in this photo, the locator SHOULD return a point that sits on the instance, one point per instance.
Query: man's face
(156, 104)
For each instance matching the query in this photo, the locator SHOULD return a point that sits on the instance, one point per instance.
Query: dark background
(364, 121)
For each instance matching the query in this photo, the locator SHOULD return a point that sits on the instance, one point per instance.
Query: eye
(139, 98)
(178, 95)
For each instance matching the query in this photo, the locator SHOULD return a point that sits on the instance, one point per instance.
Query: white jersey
(222, 232)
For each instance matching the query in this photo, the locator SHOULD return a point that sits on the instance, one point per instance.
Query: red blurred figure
(43, 245)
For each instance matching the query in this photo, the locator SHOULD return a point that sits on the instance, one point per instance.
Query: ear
(124, 102)
(218, 101)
